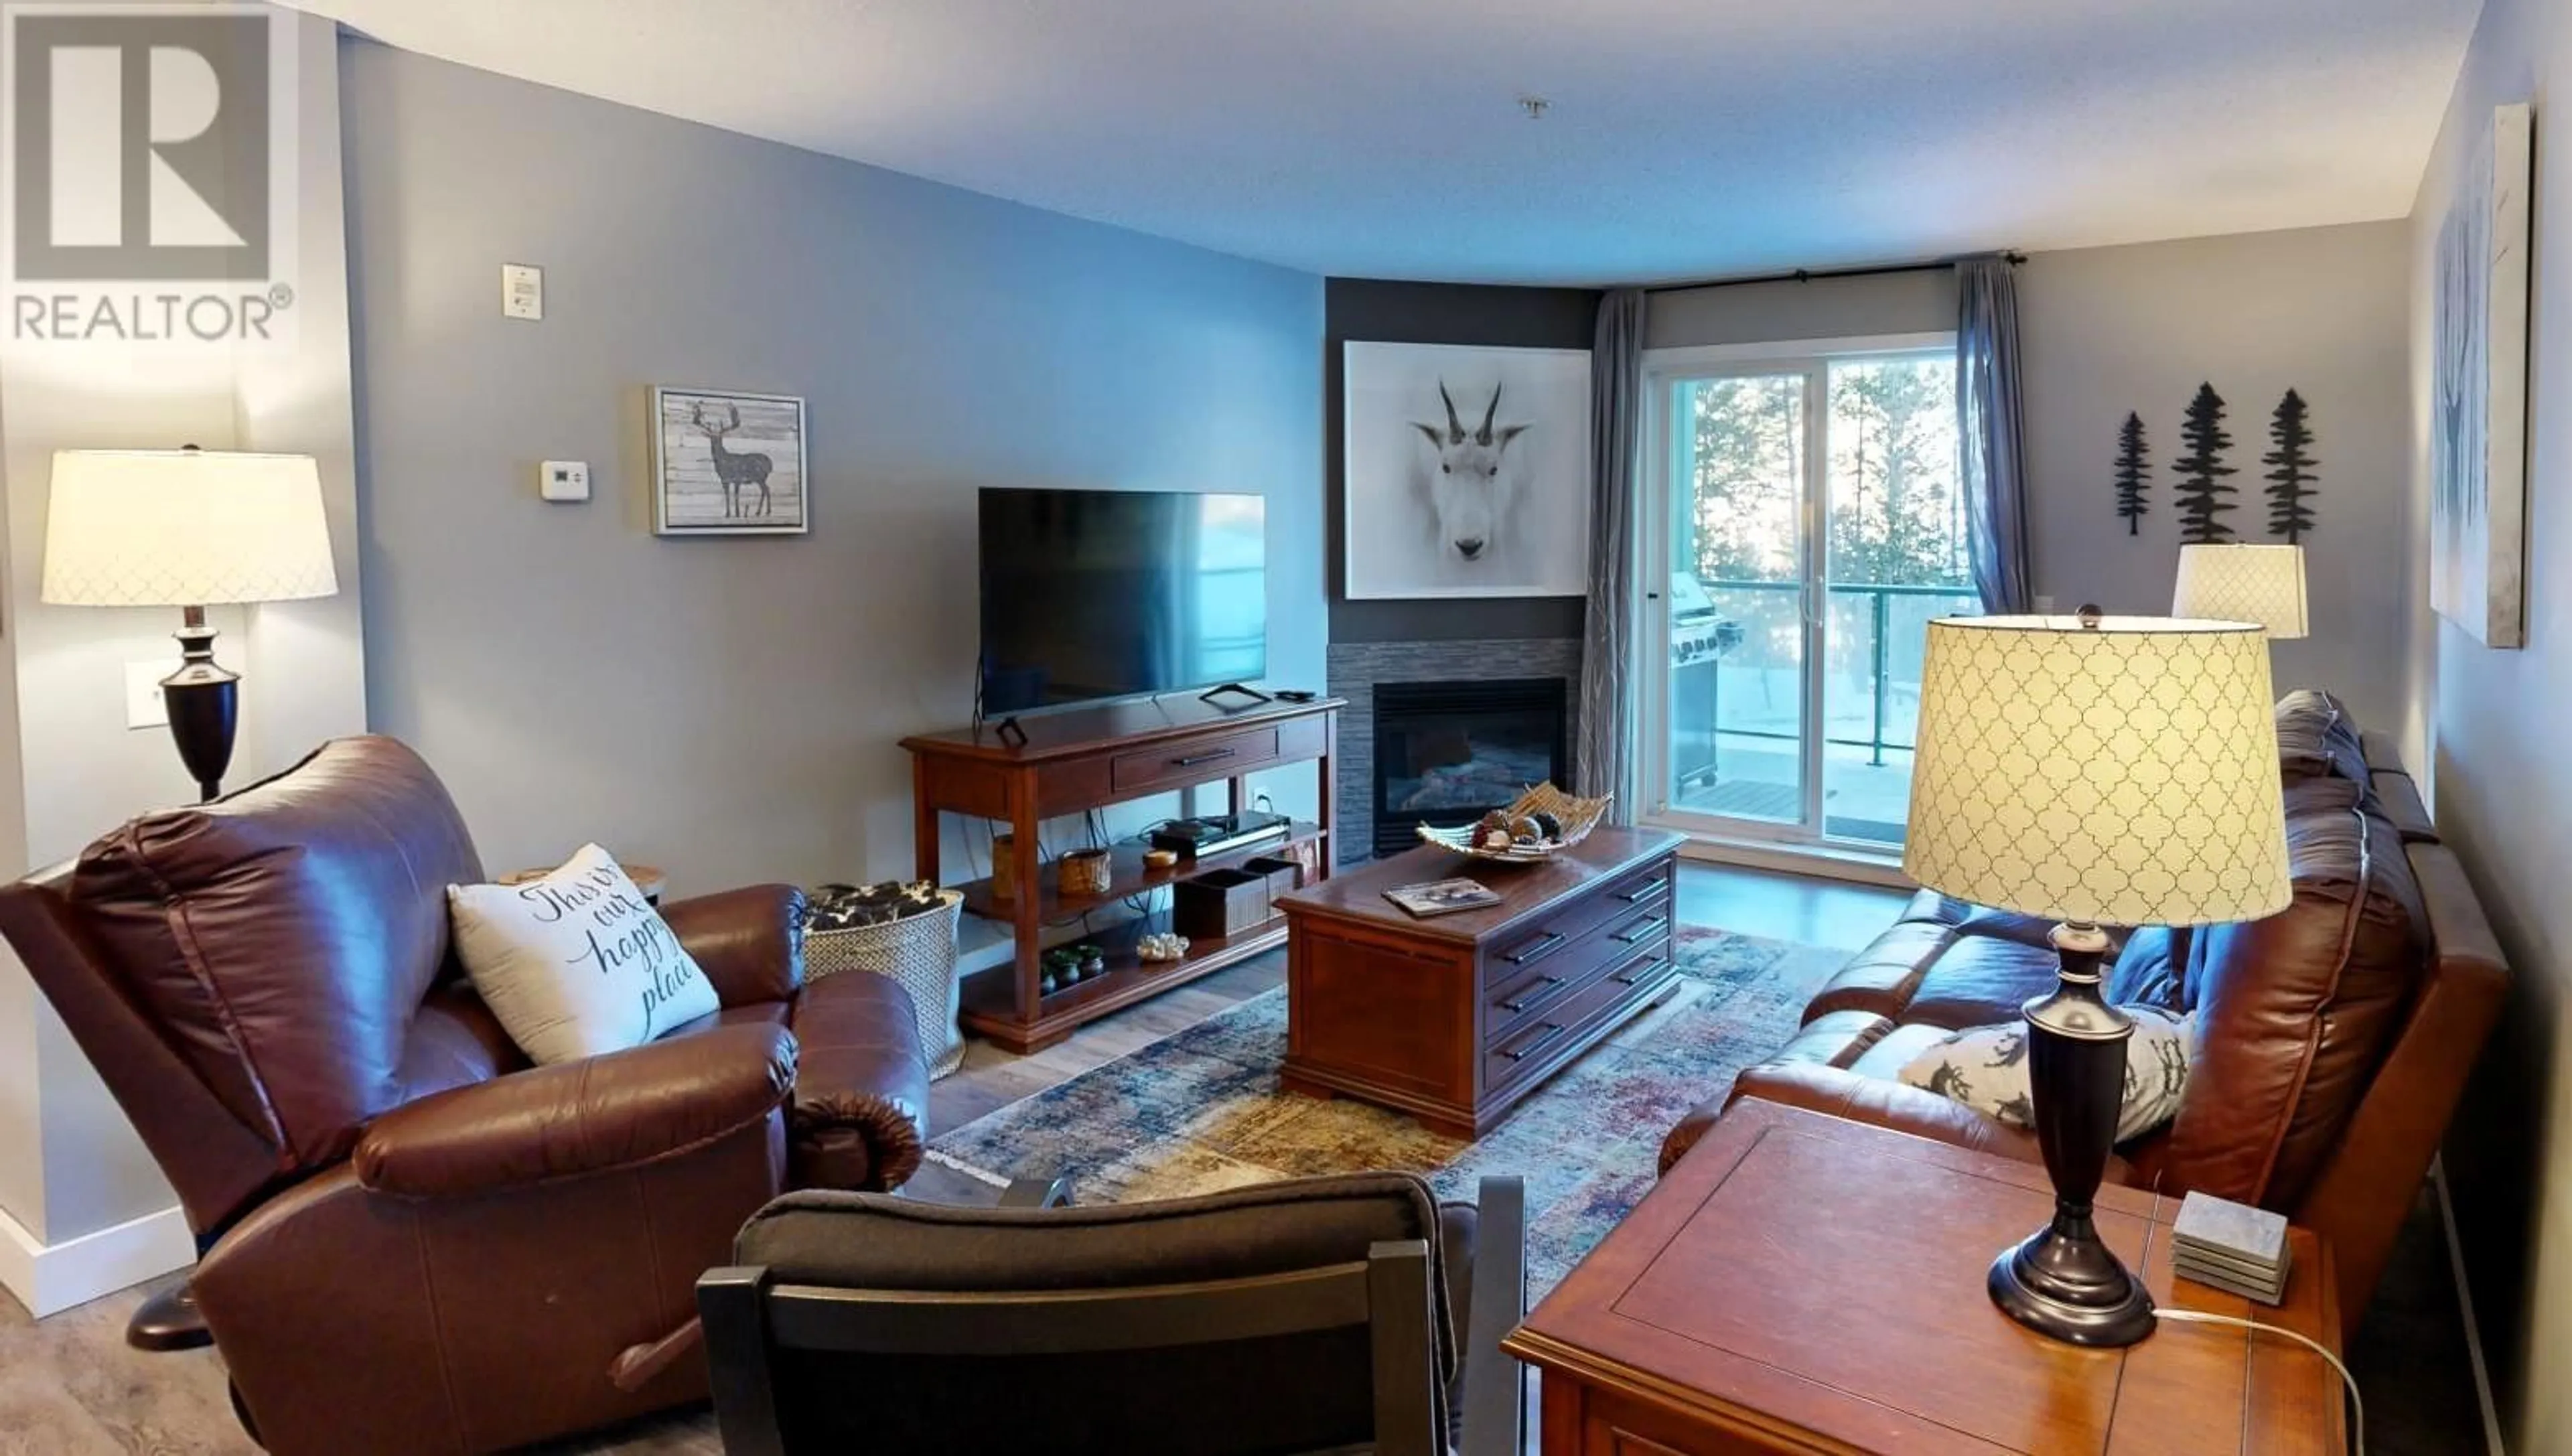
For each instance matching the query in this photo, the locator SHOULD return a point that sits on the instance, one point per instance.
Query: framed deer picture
(1466, 470)
(726, 463)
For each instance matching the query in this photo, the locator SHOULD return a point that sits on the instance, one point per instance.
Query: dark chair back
(1302, 1316)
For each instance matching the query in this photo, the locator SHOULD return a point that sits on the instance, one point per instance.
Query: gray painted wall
(1416, 312)
(730, 710)
(2319, 310)
(2491, 725)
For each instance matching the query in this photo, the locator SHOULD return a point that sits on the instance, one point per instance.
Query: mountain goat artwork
(1472, 495)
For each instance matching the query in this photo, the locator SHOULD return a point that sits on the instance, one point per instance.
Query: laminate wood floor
(69, 1386)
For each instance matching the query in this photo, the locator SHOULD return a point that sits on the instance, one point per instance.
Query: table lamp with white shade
(2095, 771)
(2233, 581)
(188, 528)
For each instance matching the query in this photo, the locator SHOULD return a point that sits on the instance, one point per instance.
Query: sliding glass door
(1804, 519)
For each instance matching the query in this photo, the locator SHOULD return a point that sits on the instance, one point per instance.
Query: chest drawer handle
(1637, 975)
(1534, 947)
(1193, 759)
(1643, 931)
(1638, 897)
(1521, 1004)
(1520, 1053)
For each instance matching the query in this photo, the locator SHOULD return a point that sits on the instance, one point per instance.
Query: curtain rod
(1815, 275)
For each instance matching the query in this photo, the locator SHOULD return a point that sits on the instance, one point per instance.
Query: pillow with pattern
(1985, 1068)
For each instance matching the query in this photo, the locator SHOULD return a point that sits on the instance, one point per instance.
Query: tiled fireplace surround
(1355, 669)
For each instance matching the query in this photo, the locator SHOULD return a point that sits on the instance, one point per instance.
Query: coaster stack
(2232, 1246)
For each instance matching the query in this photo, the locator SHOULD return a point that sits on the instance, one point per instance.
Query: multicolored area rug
(1201, 1109)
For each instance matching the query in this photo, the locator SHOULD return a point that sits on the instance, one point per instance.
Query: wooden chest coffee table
(1455, 1019)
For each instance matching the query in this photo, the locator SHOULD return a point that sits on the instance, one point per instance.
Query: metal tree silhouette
(2129, 474)
(2202, 488)
(2291, 475)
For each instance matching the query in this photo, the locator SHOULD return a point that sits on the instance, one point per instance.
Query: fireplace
(1447, 753)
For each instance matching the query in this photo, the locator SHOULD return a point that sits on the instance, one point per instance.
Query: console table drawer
(1194, 761)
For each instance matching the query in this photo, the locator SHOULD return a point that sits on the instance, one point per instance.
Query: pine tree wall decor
(2130, 473)
(2291, 470)
(2202, 489)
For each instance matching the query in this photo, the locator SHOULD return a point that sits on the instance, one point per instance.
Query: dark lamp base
(204, 699)
(2063, 1283)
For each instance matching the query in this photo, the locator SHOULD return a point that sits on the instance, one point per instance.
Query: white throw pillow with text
(577, 963)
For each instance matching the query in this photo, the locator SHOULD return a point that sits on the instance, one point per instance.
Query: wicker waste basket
(917, 951)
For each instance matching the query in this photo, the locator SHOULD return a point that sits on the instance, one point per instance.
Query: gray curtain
(1604, 759)
(1993, 430)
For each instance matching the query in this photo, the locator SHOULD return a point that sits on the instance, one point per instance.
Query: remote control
(1297, 695)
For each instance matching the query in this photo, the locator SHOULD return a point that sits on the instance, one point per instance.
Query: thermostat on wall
(565, 480)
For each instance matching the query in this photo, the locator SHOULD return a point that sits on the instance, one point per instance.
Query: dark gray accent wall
(1416, 312)
(732, 710)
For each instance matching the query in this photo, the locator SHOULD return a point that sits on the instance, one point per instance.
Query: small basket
(919, 953)
(1578, 817)
(1085, 872)
(1005, 867)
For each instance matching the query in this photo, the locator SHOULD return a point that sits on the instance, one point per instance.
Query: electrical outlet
(522, 291)
(564, 481)
(2045, 606)
(143, 705)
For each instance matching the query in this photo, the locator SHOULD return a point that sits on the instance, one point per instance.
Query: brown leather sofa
(2336, 1037)
(413, 1243)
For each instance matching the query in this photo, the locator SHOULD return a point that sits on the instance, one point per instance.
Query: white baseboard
(2465, 1305)
(50, 1277)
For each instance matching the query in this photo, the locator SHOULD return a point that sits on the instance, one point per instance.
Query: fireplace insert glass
(1447, 753)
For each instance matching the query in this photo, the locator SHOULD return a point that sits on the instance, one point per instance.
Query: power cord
(2356, 1404)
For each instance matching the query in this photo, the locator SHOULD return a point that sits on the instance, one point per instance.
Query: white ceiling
(1686, 139)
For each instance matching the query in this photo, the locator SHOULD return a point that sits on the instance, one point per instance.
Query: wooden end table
(1456, 1018)
(1804, 1283)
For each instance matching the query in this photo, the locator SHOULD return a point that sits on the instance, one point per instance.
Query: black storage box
(1284, 876)
(1218, 903)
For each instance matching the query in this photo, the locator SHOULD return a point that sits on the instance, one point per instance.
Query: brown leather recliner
(413, 1241)
(2334, 1037)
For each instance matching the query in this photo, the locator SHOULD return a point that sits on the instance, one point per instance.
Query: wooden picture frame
(728, 462)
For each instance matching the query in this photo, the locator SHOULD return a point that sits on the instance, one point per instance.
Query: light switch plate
(563, 480)
(522, 291)
(143, 705)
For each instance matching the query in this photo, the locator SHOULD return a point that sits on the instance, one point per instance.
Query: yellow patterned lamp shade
(2124, 773)
(2244, 583)
(185, 528)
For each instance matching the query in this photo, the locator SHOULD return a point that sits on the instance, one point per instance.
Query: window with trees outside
(1807, 504)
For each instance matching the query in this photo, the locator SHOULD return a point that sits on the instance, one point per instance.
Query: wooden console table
(1805, 1284)
(1073, 762)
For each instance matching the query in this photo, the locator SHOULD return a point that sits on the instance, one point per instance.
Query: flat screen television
(1090, 594)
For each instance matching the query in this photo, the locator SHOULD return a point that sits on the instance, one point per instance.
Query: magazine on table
(1443, 897)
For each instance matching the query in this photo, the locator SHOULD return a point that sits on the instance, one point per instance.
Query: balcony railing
(1884, 660)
